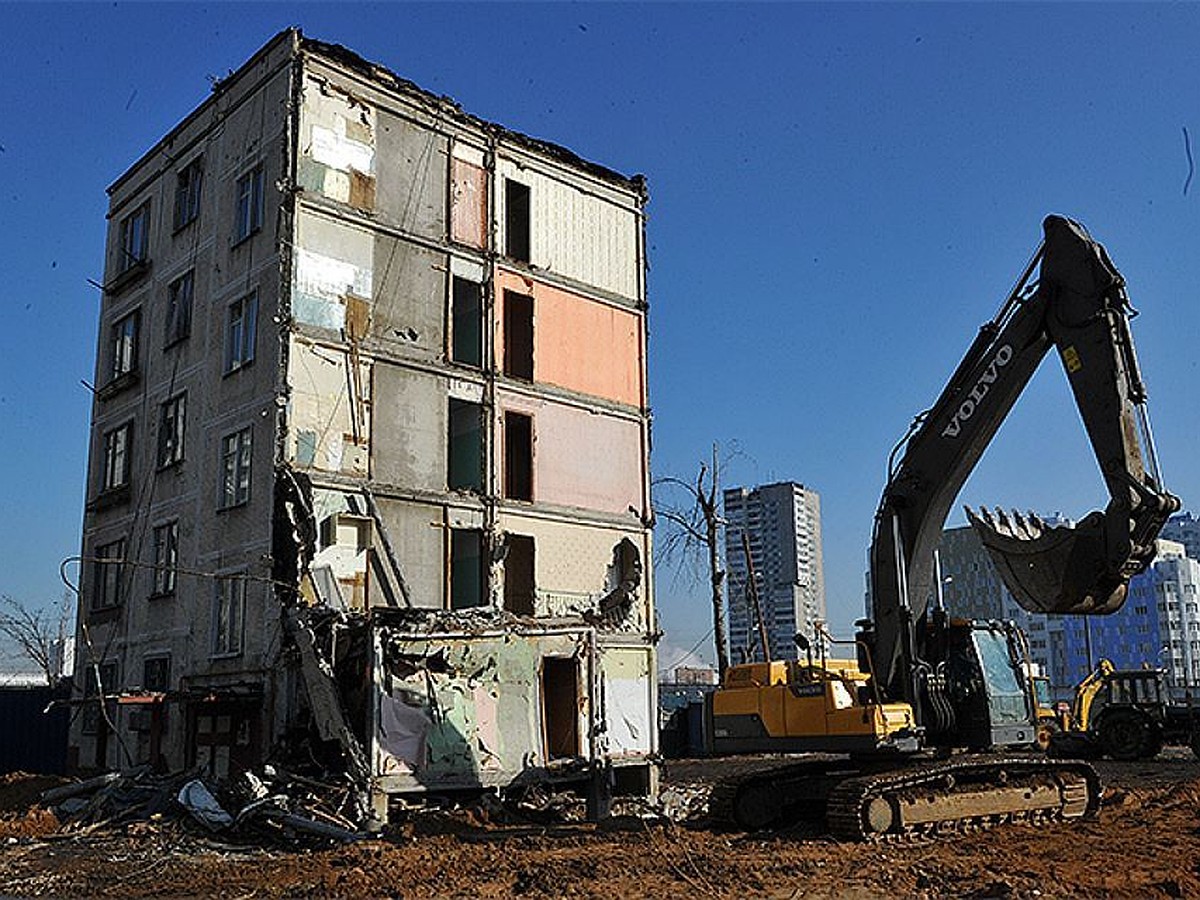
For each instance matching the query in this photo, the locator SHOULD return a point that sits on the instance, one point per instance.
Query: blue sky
(841, 195)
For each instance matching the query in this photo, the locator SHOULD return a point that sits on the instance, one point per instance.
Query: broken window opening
(560, 707)
(179, 308)
(516, 220)
(465, 470)
(520, 588)
(135, 239)
(108, 574)
(187, 192)
(229, 616)
(240, 331)
(518, 456)
(91, 722)
(172, 416)
(124, 345)
(235, 466)
(166, 559)
(466, 305)
(466, 568)
(518, 335)
(118, 448)
(249, 204)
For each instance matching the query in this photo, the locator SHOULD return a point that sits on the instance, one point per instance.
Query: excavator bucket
(1051, 568)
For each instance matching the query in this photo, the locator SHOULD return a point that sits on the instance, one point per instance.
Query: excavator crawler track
(915, 801)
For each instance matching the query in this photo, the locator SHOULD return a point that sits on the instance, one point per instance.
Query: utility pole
(752, 595)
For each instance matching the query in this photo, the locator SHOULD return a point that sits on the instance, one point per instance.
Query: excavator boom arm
(1079, 306)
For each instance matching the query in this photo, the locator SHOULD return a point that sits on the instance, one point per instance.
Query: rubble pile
(274, 807)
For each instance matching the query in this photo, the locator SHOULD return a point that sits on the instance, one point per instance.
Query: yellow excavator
(923, 685)
(1124, 714)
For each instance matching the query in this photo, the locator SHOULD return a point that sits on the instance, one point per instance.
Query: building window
(135, 238)
(187, 193)
(93, 688)
(466, 568)
(518, 456)
(118, 447)
(166, 558)
(240, 330)
(466, 304)
(516, 220)
(156, 674)
(229, 616)
(235, 467)
(465, 470)
(518, 335)
(179, 307)
(172, 417)
(124, 345)
(107, 574)
(519, 575)
(249, 204)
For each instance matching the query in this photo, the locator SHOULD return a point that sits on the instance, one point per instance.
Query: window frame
(236, 448)
(134, 247)
(249, 196)
(108, 563)
(466, 322)
(518, 220)
(172, 430)
(110, 455)
(189, 187)
(124, 345)
(166, 559)
(237, 618)
(241, 331)
(181, 294)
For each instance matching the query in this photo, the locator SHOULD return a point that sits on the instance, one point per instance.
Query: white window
(229, 611)
(124, 345)
(117, 450)
(166, 558)
(240, 331)
(172, 417)
(135, 238)
(235, 466)
(179, 307)
(249, 204)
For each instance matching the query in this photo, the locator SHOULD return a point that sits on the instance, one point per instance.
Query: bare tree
(696, 528)
(39, 634)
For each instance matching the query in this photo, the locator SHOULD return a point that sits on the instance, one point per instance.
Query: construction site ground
(1144, 844)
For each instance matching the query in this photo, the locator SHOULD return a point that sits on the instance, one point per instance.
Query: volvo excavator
(917, 733)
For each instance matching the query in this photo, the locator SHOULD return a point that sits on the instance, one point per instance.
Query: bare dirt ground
(1145, 844)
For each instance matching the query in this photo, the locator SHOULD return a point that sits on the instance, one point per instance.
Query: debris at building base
(264, 809)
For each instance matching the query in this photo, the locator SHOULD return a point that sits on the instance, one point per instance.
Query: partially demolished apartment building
(369, 453)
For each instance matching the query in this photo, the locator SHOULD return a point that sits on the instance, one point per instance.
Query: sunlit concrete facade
(414, 376)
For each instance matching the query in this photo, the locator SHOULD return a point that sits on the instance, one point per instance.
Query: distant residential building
(783, 525)
(695, 675)
(1159, 626)
(971, 587)
(1184, 529)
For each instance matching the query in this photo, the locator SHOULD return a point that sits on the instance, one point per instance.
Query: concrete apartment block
(370, 444)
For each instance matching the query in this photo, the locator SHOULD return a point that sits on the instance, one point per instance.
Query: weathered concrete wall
(630, 710)
(580, 459)
(580, 344)
(410, 444)
(409, 309)
(329, 410)
(240, 127)
(574, 566)
(412, 177)
(467, 711)
(587, 236)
